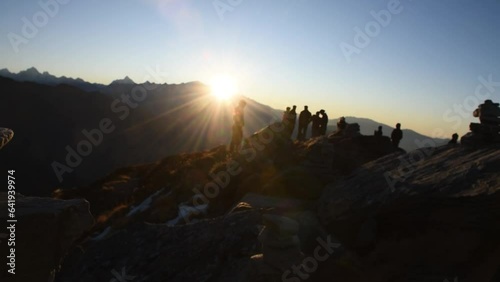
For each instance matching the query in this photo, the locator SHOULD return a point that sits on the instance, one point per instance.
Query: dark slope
(427, 215)
(168, 119)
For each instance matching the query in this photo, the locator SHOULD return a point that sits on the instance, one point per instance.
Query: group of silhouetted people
(319, 122)
(488, 113)
(396, 134)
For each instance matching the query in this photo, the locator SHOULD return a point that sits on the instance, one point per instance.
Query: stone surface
(46, 229)
(418, 216)
(282, 258)
(217, 249)
(281, 225)
(437, 206)
(271, 239)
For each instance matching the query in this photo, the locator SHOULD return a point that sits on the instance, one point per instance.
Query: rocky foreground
(344, 208)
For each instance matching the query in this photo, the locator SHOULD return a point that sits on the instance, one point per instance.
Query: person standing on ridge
(304, 120)
(238, 123)
(292, 119)
(396, 135)
(315, 127)
(378, 133)
(323, 122)
(285, 118)
(286, 113)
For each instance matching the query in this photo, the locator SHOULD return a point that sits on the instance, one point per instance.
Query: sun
(223, 87)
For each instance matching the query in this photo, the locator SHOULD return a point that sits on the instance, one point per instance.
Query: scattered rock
(280, 249)
(436, 208)
(283, 205)
(5, 136)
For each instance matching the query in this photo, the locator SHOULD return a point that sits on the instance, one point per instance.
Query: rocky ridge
(373, 213)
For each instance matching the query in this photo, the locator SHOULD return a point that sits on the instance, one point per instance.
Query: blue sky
(418, 69)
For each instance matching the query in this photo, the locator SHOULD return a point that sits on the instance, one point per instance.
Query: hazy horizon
(421, 66)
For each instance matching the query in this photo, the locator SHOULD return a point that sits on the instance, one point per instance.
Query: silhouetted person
(378, 133)
(289, 121)
(454, 139)
(286, 113)
(315, 127)
(238, 123)
(341, 124)
(323, 122)
(488, 113)
(304, 120)
(292, 119)
(396, 135)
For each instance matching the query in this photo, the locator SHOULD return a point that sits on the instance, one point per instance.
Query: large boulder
(270, 143)
(218, 249)
(45, 231)
(481, 135)
(420, 216)
(341, 154)
(280, 249)
(352, 152)
(296, 182)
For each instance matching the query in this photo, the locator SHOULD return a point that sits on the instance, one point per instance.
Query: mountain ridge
(125, 80)
(33, 75)
(382, 229)
(365, 123)
(59, 114)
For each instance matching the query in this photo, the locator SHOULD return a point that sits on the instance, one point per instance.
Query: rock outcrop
(217, 249)
(280, 249)
(420, 216)
(371, 212)
(481, 135)
(46, 229)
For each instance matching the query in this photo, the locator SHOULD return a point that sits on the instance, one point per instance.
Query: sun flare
(223, 87)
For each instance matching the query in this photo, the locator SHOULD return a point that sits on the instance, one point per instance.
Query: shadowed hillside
(49, 122)
(169, 119)
(428, 215)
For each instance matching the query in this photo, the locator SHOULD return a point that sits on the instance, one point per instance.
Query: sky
(425, 64)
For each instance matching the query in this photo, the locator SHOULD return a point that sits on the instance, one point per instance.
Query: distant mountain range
(50, 115)
(126, 80)
(33, 75)
(51, 122)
